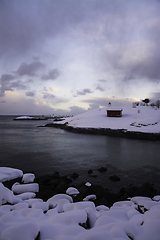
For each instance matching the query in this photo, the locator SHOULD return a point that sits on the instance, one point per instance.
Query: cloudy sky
(59, 56)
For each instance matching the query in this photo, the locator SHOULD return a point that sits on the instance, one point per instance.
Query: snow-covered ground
(24, 217)
(139, 119)
(23, 117)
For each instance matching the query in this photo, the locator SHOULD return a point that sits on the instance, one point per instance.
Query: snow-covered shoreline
(22, 216)
(139, 123)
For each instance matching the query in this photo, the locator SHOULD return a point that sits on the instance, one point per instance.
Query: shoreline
(107, 131)
(115, 190)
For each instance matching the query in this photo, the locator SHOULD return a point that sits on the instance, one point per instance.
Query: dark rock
(99, 191)
(102, 169)
(45, 194)
(56, 175)
(43, 179)
(101, 201)
(54, 182)
(67, 179)
(93, 175)
(10, 183)
(146, 190)
(131, 191)
(62, 187)
(114, 178)
(74, 175)
(111, 198)
(123, 190)
(90, 171)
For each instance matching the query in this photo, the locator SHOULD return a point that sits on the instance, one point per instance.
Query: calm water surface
(25, 146)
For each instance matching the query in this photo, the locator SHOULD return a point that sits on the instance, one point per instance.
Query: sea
(27, 145)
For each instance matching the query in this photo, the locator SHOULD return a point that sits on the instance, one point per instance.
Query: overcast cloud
(94, 49)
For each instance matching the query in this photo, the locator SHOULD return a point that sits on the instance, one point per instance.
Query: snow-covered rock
(7, 196)
(7, 173)
(88, 184)
(22, 188)
(90, 197)
(28, 177)
(33, 218)
(72, 191)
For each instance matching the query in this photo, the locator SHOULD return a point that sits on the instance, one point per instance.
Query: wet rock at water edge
(74, 175)
(114, 178)
(93, 175)
(102, 169)
(90, 171)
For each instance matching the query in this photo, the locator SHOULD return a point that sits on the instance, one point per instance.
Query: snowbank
(60, 218)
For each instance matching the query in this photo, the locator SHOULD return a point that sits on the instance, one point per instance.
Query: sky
(68, 56)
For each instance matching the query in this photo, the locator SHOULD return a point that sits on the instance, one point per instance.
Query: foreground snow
(59, 218)
(139, 119)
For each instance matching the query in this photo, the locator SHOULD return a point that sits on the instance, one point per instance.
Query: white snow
(28, 177)
(72, 191)
(61, 219)
(139, 119)
(7, 173)
(90, 197)
(22, 188)
(24, 117)
(88, 184)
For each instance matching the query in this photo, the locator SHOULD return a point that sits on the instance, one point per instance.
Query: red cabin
(114, 112)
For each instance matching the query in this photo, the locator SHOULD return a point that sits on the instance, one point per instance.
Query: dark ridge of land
(108, 132)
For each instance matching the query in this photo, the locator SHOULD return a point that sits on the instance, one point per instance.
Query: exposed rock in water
(102, 169)
(114, 178)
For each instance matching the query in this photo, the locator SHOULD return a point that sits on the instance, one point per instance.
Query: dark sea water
(40, 150)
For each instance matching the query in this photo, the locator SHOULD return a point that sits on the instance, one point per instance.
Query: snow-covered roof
(114, 109)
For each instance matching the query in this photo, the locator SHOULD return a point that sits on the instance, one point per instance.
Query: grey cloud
(100, 88)
(8, 83)
(18, 85)
(26, 106)
(147, 67)
(52, 75)
(7, 77)
(155, 96)
(29, 69)
(74, 110)
(84, 92)
(93, 106)
(30, 94)
(43, 20)
(48, 96)
(138, 31)
(102, 80)
(25, 25)
(104, 101)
